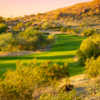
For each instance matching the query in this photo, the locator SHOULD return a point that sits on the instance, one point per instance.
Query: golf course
(62, 50)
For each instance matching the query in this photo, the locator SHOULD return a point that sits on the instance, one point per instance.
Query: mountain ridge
(86, 12)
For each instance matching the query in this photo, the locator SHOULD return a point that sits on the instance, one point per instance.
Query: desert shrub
(60, 96)
(18, 27)
(21, 83)
(51, 25)
(50, 72)
(33, 39)
(93, 67)
(87, 50)
(7, 42)
(90, 47)
(3, 28)
(50, 39)
(28, 24)
(71, 31)
(88, 32)
(18, 85)
(64, 29)
(46, 26)
(30, 39)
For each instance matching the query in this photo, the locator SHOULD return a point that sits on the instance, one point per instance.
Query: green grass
(63, 50)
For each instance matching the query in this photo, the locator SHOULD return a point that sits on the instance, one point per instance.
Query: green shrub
(51, 25)
(49, 72)
(87, 50)
(50, 39)
(21, 83)
(3, 28)
(18, 27)
(30, 39)
(89, 32)
(46, 26)
(93, 67)
(7, 42)
(90, 47)
(33, 39)
(64, 29)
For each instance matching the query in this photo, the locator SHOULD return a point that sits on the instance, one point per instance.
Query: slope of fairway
(62, 50)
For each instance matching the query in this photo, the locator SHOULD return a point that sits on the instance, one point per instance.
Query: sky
(13, 8)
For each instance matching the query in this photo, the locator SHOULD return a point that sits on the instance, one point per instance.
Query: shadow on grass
(4, 67)
(66, 46)
(56, 57)
(39, 57)
(67, 43)
(75, 68)
(16, 58)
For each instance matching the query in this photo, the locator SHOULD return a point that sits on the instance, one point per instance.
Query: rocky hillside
(87, 12)
(81, 9)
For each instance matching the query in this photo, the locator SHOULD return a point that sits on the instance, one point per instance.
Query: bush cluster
(21, 83)
(60, 96)
(89, 55)
(89, 32)
(93, 67)
(3, 27)
(30, 39)
(90, 47)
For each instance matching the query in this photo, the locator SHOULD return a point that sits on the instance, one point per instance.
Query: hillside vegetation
(75, 16)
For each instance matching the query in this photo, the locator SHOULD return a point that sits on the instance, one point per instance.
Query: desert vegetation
(89, 48)
(64, 58)
(30, 39)
(28, 77)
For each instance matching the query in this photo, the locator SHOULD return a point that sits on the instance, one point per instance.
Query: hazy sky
(11, 8)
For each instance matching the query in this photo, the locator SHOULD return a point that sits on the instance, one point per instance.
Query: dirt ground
(22, 53)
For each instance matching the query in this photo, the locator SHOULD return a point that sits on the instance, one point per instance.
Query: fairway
(63, 50)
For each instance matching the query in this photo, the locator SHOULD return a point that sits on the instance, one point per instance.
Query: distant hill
(87, 12)
(79, 10)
